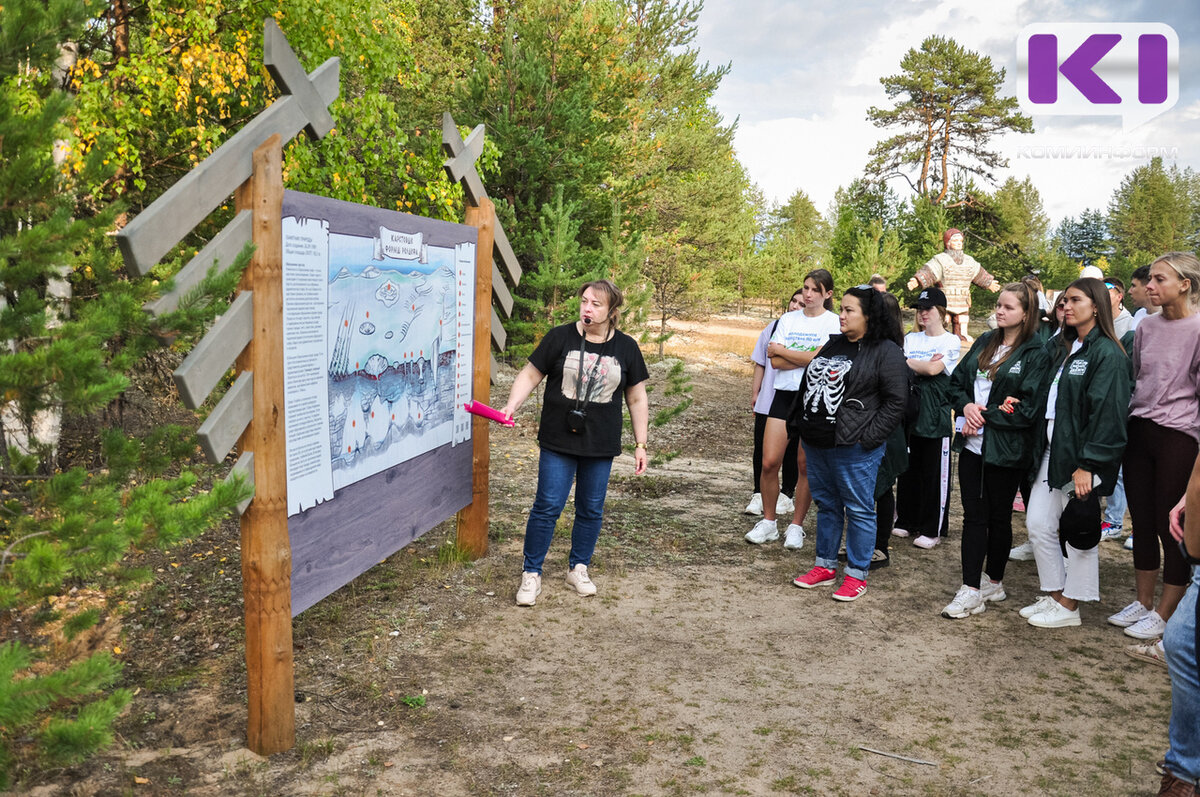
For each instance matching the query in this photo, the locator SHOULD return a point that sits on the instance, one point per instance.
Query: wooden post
(473, 520)
(266, 550)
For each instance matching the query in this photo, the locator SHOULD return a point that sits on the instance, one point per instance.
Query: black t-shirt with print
(608, 369)
(823, 390)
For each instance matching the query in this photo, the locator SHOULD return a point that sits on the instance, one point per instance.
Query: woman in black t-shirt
(588, 365)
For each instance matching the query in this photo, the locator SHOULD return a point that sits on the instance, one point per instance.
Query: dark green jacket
(894, 462)
(934, 419)
(1008, 439)
(1091, 411)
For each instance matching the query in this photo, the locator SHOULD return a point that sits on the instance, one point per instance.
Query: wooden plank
(291, 78)
(507, 256)
(374, 518)
(223, 249)
(498, 333)
(214, 354)
(266, 550)
(157, 229)
(244, 467)
(493, 368)
(499, 288)
(225, 424)
(458, 166)
(473, 520)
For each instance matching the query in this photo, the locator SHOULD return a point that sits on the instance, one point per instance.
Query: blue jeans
(1183, 734)
(842, 481)
(556, 473)
(1114, 508)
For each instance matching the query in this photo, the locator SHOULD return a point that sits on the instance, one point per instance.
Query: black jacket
(874, 395)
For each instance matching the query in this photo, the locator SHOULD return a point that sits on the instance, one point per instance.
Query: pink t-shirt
(1166, 370)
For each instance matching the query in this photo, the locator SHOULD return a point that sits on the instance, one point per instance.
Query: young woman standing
(762, 393)
(1164, 425)
(923, 490)
(799, 334)
(851, 398)
(995, 389)
(589, 365)
(1085, 404)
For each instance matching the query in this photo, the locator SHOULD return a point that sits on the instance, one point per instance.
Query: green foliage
(948, 105)
(1155, 210)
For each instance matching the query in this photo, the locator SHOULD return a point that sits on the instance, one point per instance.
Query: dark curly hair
(879, 319)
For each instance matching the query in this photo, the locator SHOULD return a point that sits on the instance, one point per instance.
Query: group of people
(1053, 409)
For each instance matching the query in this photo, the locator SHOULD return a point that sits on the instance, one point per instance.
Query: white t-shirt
(766, 391)
(800, 332)
(919, 346)
(983, 391)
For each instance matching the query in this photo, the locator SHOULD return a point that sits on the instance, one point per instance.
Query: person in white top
(762, 393)
(795, 341)
(923, 491)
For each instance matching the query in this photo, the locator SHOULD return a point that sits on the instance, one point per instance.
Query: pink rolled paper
(484, 411)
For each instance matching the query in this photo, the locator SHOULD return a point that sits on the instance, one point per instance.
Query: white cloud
(805, 73)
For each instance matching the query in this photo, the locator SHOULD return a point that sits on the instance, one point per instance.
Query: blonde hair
(1187, 267)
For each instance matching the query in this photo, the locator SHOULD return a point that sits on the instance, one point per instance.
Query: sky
(803, 74)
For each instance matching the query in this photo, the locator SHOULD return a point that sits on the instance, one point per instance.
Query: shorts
(782, 404)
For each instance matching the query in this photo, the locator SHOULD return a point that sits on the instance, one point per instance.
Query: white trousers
(1076, 575)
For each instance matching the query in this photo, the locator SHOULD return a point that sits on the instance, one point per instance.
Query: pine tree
(62, 524)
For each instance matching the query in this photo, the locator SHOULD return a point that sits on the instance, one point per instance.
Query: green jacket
(1091, 411)
(934, 418)
(894, 462)
(1008, 439)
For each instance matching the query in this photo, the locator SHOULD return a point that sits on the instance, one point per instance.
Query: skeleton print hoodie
(852, 393)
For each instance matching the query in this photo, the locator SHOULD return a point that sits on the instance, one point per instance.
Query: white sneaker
(926, 542)
(1129, 615)
(1022, 553)
(531, 587)
(1036, 606)
(992, 590)
(755, 505)
(967, 601)
(793, 538)
(577, 577)
(785, 506)
(763, 531)
(1055, 615)
(899, 532)
(1129, 543)
(1149, 627)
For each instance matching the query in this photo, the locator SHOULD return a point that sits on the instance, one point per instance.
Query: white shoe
(1129, 543)
(793, 538)
(578, 578)
(763, 531)
(1151, 626)
(1035, 607)
(531, 587)
(1022, 553)
(1129, 615)
(928, 543)
(992, 591)
(899, 532)
(967, 601)
(1055, 616)
(755, 505)
(785, 506)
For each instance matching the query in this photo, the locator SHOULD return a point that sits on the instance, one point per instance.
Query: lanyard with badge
(577, 416)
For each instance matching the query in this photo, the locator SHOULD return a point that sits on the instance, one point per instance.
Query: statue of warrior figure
(953, 271)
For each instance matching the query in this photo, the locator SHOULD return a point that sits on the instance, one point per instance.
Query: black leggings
(789, 470)
(923, 506)
(1158, 462)
(885, 510)
(987, 497)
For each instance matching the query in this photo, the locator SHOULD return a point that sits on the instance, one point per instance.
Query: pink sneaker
(817, 577)
(1018, 504)
(850, 589)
